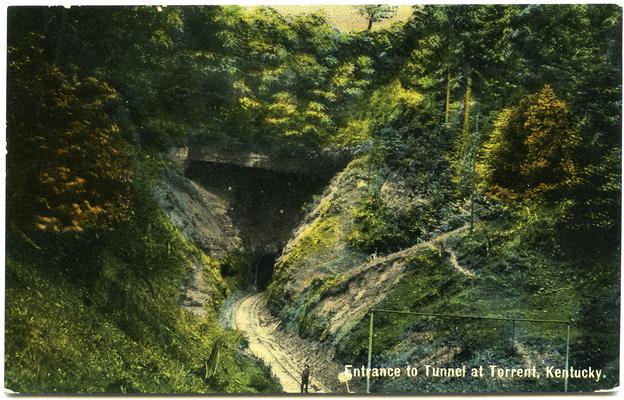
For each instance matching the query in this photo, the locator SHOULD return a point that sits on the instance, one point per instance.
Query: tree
(376, 13)
(530, 151)
(66, 164)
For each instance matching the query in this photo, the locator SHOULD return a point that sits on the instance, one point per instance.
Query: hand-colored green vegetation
(483, 146)
(99, 312)
(513, 280)
(491, 123)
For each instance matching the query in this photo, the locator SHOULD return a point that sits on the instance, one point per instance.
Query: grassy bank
(99, 312)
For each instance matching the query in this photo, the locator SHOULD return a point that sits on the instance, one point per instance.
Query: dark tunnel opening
(264, 205)
(263, 269)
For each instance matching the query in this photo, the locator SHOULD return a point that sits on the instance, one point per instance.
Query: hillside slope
(109, 320)
(325, 287)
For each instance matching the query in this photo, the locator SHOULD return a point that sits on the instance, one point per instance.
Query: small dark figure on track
(305, 378)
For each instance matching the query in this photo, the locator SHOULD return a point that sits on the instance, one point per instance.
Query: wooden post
(370, 352)
(567, 360)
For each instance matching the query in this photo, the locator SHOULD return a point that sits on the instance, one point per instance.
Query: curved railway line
(252, 318)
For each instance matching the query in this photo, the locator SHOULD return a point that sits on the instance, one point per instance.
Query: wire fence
(463, 353)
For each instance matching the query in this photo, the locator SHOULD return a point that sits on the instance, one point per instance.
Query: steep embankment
(100, 312)
(325, 286)
(319, 252)
(324, 283)
(202, 218)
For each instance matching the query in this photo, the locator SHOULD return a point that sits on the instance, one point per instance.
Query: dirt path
(365, 286)
(283, 352)
(458, 267)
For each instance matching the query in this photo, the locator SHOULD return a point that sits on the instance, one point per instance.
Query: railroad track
(252, 319)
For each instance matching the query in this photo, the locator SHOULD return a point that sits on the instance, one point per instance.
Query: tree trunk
(467, 139)
(447, 109)
(370, 24)
(447, 106)
(60, 32)
(467, 95)
(473, 172)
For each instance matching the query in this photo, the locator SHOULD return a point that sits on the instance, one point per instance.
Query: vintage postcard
(391, 199)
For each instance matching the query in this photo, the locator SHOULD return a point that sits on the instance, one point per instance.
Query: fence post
(567, 359)
(370, 352)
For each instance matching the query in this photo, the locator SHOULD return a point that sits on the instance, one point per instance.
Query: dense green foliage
(513, 280)
(55, 189)
(506, 110)
(107, 319)
(226, 75)
(506, 119)
(513, 114)
(530, 151)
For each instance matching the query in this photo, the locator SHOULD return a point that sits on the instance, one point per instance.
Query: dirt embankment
(365, 286)
(202, 217)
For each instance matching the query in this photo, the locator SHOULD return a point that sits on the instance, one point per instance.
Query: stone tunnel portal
(265, 207)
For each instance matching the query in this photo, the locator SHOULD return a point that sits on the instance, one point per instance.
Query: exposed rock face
(201, 287)
(306, 164)
(323, 285)
(201, 216)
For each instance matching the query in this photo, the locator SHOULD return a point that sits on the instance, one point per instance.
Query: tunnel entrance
(262, 269)
(265, 207)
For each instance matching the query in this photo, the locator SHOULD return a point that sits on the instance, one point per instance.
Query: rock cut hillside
(325, 286)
